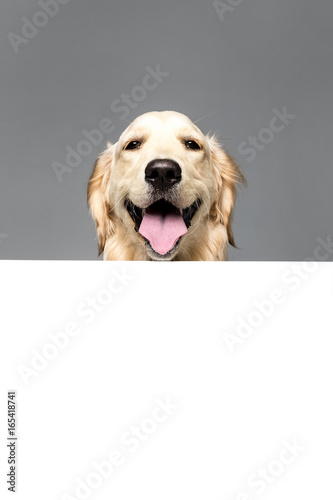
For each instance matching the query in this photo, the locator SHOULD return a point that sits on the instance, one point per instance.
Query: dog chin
(153, 255)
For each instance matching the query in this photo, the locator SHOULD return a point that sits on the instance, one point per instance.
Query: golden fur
(209, 174)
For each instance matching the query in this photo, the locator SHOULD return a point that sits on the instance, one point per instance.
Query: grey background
(265, 54)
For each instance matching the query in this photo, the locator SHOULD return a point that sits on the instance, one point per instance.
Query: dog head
(164, 191)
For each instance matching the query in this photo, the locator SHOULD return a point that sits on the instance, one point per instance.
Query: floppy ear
(227, 176)
(97, 196)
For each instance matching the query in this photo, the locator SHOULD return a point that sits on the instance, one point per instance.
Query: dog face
(164, 191)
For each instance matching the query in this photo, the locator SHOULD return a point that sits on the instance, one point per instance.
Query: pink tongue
(162, 230)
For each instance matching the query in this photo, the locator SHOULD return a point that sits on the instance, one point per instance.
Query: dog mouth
(162, 224)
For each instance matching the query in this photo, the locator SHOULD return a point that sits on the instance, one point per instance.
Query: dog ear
(97, 196)
(228, 176)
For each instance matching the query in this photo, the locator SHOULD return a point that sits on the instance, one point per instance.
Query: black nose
(163, 174)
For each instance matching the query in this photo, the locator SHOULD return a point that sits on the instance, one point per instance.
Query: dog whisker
(208, 116)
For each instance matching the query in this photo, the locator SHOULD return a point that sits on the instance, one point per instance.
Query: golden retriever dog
(164, 191)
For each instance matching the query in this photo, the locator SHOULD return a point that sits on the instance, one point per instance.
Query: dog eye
(192, 145)
(133, 145)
